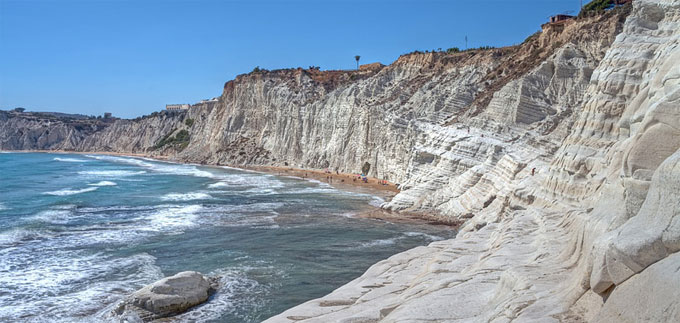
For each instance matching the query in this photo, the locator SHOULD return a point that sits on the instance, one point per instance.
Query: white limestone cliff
(593, 236)
(592, 111)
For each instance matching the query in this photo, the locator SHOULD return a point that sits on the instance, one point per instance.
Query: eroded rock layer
(560, 154)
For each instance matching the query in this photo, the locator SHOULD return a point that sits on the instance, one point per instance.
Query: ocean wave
(103, 183)
(237, 293)
(218, 185)
(70, 160)
(378, 242)
(259, 191)
(253, 181)
(55, 216)
(376, 201)
(260, 215)
(425, 235)
(185, 196)
(17, 236)
(111, 173)
(391, 241)
(115, 208)
(318, 182)
(69, 191)
(174, 218)
(121, 160)
(3, 207)
(178, 169)
(155, 166)
(42, 277)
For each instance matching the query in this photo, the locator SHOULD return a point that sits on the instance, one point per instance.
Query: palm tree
(357, 57)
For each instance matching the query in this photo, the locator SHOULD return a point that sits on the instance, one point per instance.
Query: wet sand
(350, 182)
(343, 181)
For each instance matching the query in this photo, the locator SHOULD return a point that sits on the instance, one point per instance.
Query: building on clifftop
(176, 107)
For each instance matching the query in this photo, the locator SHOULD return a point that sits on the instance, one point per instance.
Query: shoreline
(341, 181)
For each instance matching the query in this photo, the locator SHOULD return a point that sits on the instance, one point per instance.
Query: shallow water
(79, 232)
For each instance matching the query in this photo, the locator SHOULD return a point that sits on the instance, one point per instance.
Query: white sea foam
(376, 201)
(379, 242)
(237, 291)
(421, 234)
(49, 282)
(3, 207)
(115, 208)
(320, 183)
(159, 167)
(70, 160)
(15, 236)
(218, 185)
(174, 218)
(69, 191)
(391, 241)
(103, 183)
(111, 173)
(185, 196)
(120, 160)
(259, 191)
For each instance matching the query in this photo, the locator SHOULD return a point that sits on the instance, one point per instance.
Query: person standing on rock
(533, 171)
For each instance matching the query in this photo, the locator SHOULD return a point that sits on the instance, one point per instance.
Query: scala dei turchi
(560, 157)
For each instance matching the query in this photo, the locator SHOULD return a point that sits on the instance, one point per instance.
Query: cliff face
(593, 236)
(453, 129)
(561, 154)
(24, 131)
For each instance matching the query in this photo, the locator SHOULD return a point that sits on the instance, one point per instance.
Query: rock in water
(167, 297)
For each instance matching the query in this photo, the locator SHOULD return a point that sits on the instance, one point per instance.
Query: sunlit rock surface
(560, 155)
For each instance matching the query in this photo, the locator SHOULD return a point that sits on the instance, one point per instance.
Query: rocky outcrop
(591, 237)
(167, 297)
(560, 154)
(45, 131)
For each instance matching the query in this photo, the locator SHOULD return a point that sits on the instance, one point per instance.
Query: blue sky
(132, 57)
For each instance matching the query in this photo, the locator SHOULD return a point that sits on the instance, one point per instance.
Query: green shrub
(453, 50)
(595, 6)
(189, 122)
(179, 141)
(257, 69)
(366, 168)
(182, 135)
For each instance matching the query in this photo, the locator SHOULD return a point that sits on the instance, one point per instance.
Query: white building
(175, 107)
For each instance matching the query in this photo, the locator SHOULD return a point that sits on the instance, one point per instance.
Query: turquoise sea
(79, 232)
